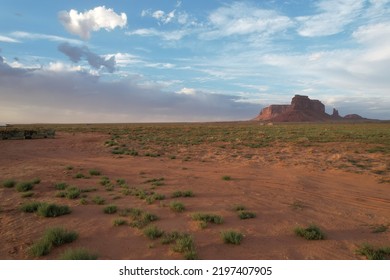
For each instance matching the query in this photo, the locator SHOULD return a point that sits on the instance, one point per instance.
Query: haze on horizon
(162, 61)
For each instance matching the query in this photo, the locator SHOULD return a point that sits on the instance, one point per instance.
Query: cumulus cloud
(76, 53)
(82, 24)
(332, 18)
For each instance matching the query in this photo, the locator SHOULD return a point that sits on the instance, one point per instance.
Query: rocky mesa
(301, 109)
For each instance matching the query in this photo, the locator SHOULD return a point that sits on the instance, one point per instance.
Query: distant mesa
(302, 109)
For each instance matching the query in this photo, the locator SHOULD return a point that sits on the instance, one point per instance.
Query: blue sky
(156, 61)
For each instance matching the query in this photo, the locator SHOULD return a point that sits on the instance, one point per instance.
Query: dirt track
(344, 205)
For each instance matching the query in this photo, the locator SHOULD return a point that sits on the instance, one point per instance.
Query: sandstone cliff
(301, 109)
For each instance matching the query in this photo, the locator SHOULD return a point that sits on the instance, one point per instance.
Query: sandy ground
(344, 205)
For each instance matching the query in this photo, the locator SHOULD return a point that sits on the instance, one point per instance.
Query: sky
(174, 61)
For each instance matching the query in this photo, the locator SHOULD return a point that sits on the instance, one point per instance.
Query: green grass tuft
(207, 218)
(79, 176)
(61, 186)
(232, 237)
(310, 233)
(94, 172)
(185, 244)
(52, 210)
(182, 194)
(177, 206)
(27, 194)
(30, 207)
(52, 237)
(110, 209)
(73, 193)
(153, 232)
(36, 181)
(372, 253)
(10, 183)
(98, 200)
(24, 186)
(239, 207)
(246, 215)
(119, 222)
(78, 254)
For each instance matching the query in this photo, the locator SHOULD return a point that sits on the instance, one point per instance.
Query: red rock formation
(353, 117)
(302, 109)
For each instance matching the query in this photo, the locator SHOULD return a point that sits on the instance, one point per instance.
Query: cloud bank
(82, 24)
(55, 95)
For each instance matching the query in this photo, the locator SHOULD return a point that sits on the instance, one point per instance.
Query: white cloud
(161, 16)
(82, 24)
(6, 39)
(62, 67)
(164, 35)
(124, 59)
(187, 91)
(38, 36)
(332, 18)
(376, 39)
(243, 19)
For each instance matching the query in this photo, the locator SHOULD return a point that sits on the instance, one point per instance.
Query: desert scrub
(79, 176)
(156, 181)
(24, 186)
(121, 181)
(30, 207)
(379, 228)
(104, 181)
(310, 233)
(69, 167)
(185, 244)
(205, 219)
(78, 254)
(110, 209)
(10, 183)
(36, 181)
(61, 186)
(153, 232)
(226, 178)
(119, 222)
(94, 172)
(52, 210)
(182, 194)
(372, 253)
(72, 193)
(232, 237)
(246, 215)
(170, 237)
(27, 194)
(140, 218)
(52, 237)
(177, 206)
(239, 207)
(98, 200)
(83, 201)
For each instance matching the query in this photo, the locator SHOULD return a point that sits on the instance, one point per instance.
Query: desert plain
(335, 176)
